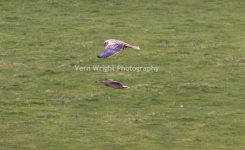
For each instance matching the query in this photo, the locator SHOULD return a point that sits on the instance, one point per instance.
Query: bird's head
(106, 42)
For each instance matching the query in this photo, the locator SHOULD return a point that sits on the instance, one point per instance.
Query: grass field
(196, 101)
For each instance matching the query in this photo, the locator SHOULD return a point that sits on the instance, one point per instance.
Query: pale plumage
(113, 47)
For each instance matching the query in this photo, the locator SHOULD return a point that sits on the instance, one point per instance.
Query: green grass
(199, 46)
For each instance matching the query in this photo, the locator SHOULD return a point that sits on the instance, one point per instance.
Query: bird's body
(113, 84)
(112, 47)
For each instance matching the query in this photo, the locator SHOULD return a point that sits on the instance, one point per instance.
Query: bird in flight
(112, 47)
(113, 84)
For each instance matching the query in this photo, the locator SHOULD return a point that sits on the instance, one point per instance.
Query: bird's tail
(136, 47)
(133, 46)
(125, 86)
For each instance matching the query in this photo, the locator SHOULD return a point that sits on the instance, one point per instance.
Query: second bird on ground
(113, 84)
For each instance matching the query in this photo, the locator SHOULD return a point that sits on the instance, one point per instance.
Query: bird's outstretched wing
(113, 84)
(117, 85)
(111, 49)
